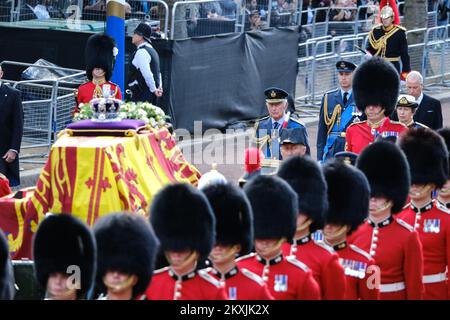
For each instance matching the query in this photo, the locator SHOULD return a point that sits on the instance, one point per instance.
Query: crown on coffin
(105, 109)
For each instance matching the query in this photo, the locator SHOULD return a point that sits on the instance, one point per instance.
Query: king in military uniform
(375, 86)
(406, 108)
(428, 162)
(346, 212)
(267, 130)
(99, 57)
(234, 236)
(337, 111)
(388, 40)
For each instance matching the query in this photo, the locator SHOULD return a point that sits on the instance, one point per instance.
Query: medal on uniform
(318, 236)
(432, 225)
(356, 114)
(362, 270)
(232, 293)
(280, 283)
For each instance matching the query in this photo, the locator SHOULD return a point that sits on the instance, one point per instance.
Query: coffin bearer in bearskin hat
(234, 236)
(406, 108)
(346, 211)
(306, 178)
(7, 291)
(375, 87)
(267, 130)
(275, 209)
(253, 158)
(185, 225)
(391, 242)
(64, 253)
(126, 250)
(427, 156)
(100, 54)
(443, 197)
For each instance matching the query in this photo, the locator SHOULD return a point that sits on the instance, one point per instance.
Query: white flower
(152, 122)
(115, 51)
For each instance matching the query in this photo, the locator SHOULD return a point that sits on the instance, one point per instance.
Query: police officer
(126, 249)
(267, 130)
(61, 243)
(305, 177)
(427, 155)
(234, 236)
(388, 41)
(275, 208)
(293, 142)
(7, 291)
(346, 211)
(100, 54)
(406, 108)
(391, 242)
(375, 86)
(185, 225)
(444, 193)
(145, 82)
(337, 112)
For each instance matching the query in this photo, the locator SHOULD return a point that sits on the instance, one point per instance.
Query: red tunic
(397, 251)
(287, 278)
(356, 263)
(432, 222)
(89, 90)
(359, 134)
(324, 264)
(242, 284)
(197, 285)
(4, 186)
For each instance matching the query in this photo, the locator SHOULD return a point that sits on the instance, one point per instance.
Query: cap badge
(273, 94)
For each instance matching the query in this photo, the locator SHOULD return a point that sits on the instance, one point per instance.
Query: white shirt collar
(349, 93)
(419, 99)
(280, 121)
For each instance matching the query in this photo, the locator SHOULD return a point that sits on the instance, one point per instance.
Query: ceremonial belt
(435, 278)
(392, 287)
(339, 134)
(393, 59)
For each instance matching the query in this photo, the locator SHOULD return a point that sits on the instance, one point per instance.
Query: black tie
(275, 125)
(345, 98)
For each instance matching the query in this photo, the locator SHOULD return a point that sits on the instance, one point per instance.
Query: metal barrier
(6, 10)
(47, 106)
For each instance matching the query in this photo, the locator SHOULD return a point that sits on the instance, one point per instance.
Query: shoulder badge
(209, 278)
(293, 260)
(404, 224)
(360, 251)
(323, 245)
(161, 270)
(250, 255)
(252, 276)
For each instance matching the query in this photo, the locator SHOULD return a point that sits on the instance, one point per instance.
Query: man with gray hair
(429, 111)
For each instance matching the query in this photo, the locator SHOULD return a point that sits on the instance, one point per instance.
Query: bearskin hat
(427, 156)
(6, 271)
(387, 170)
(62, 241)
(126, 243)
(234, 217)
(275, 207)
(306, 178)
(99, 53)
(445, 133)
(376, 82)
(344, 207)
(183, 219)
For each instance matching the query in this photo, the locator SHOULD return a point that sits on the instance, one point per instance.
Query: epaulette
(442, 207)
(360, 251)
(252, 276)
(357, 122)
(297, 121)
(400, 27)
(250, 255)
(209, 278)
(293, 260)
(332, 91)
(325, 246)
(259, 120)
(404, 224)
(161, 270)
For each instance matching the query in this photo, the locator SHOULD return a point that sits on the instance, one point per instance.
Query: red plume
(393, 5)
(253, 157)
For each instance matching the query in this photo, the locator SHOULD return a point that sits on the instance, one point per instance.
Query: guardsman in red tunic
(126, 250)
(443, 197)
(185, 225)
(275, 208)
(375, 88)
(100, 58)
(346, 211)
(306, 178)
(234, 236)
(391, 242)
(428, 162)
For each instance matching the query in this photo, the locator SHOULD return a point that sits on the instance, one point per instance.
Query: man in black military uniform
(388, 41)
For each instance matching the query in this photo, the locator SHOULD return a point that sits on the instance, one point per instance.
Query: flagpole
(115, 27)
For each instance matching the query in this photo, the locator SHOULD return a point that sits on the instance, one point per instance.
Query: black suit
(11, 130)
(429, 112)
